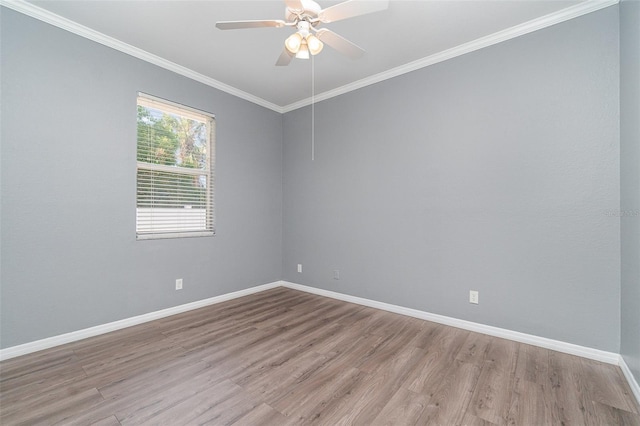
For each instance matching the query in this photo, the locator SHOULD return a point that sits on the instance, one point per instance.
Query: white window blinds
(175, 157)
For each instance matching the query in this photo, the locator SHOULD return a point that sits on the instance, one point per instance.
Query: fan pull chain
(313, 108)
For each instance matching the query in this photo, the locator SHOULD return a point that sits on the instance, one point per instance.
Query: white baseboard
(596, 354)
(73, 336)
(556, 345)
(633, 384)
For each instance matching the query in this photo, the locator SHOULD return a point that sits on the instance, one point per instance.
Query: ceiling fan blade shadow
(339, 43)
(237, 25)
(350, 9)
(285, 58)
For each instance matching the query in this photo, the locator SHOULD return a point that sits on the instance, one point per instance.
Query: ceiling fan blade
(294, 4)
(236, 25)
(339, 43)
(351, 8)
(285, 58)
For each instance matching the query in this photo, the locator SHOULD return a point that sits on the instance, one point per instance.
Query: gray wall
(494, 171)
(69, 255)
(630, 181)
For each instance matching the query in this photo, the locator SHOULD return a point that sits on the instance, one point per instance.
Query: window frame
(166, 106)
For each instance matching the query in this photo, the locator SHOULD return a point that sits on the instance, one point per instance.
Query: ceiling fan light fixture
(306, 16)
(293, 43)
(314, 44)
(303, 52)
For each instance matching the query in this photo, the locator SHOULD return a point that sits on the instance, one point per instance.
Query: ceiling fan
(305, 16)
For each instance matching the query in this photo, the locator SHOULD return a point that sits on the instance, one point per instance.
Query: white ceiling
(184, 33)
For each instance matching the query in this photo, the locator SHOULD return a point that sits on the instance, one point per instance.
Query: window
(175, 157)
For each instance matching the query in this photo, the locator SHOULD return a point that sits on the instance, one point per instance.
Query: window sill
(161, 236)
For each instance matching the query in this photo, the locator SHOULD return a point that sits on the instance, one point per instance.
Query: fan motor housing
(310, 10)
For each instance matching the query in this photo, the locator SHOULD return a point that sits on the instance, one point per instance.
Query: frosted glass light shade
(314, 44)
(303, 52)
(293, 43)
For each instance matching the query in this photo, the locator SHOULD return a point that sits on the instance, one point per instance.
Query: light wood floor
(286, 357)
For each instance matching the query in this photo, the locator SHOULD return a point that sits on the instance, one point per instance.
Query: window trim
(170, 235)
(150, 101)
(174, 107)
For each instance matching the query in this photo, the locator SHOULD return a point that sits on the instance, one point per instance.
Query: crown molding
(563, 15)
(571, 12)
(88, 33)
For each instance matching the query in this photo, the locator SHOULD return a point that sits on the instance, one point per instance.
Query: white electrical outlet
(300, 267)
(179, 284)
(473, 297)
(336, 274)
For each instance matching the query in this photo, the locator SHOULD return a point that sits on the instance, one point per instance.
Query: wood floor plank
(214, 316)
(273, 385)
(385, 323)
(404, 408)
(439, 357)
(427, 333)
(138, 405)
(356, 315)
(239, 344)
(313, 400)
(18, 392)
(263, 415)
(218, 340)
(172, 404)
(475, 349)
(55, 411)
(33, 362)
(284, 357)
(344, 343)
(132, 354)
(363, 324)
(607, 386)
(151, 380)
(355, 350)
(391, 349)
(108, 421)
(471, 420)
(63, 366)
(314, 339)
(492, 396)
(530, 405)
(42, 395)
(533, 364)
(608, 415)
(302, 325)
(112, 371)
(221, 404)
(389, 376)
(568, 392)
(449, 401)
(205, 332)
(103, 346)
(368, 398)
